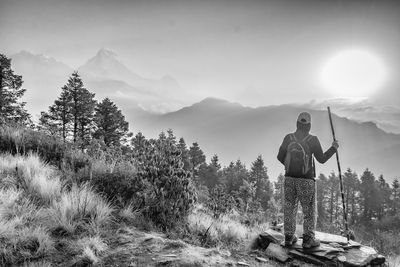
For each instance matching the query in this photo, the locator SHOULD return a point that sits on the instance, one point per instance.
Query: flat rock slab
(306, 257)
(277, 252)
(327, 238)
(330, 238)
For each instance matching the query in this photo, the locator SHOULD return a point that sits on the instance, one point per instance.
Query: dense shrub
(118, 187)
(170, 194)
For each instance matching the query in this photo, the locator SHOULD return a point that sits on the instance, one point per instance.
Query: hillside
(236, 132)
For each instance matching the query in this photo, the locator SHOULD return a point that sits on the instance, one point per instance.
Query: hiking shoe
(290, 240)
(310, 242)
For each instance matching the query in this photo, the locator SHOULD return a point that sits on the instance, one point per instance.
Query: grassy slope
(44, 222)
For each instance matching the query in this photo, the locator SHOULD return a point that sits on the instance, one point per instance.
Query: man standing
(296, 153)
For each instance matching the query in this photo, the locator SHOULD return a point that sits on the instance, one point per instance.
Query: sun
(353, 73)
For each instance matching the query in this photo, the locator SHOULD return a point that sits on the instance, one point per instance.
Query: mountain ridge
(237, 132)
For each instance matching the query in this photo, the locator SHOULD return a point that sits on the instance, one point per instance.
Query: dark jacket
(315, 150)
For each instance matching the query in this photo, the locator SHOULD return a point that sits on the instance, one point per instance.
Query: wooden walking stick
(340, 178)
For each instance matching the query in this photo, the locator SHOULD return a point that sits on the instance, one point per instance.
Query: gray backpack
(297, 160)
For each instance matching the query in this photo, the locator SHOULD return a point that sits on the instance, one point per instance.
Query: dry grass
(88, 249)
(128, 212)
(225, 230)
(79, 208)
(20, 243)
(34, 206)
(29, 173)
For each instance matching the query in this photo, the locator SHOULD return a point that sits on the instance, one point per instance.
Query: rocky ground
(132, 247)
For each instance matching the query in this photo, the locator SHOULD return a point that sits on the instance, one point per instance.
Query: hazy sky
(255, 52)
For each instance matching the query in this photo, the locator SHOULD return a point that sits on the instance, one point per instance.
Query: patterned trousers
(303, 190)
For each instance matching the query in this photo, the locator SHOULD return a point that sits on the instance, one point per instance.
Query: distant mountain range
(103, 74)
(235, 132)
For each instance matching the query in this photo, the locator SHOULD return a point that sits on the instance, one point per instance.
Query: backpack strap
(307, 138)
(293, 137)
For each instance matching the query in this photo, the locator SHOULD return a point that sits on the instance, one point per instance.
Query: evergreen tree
(82, 109)
(351, 185)
(73, 112)
(171, 137)
(234, 175)
(208, 175)
(196, 156)
(215, 162)
(57, 120)
(184, 154)
(395, 197)
(248, 198)
(11, 108)
(259, 176)
(110, 123)
(139, 143)
(383, 197)
(368, 195)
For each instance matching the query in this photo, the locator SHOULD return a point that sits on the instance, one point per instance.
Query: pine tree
(369, 195)
(184, 154)
(196, 156)
(11, 108)
(259, 176)
(171, 137)
(383, 197)
(215, 162)
(234, 175)
(139, 143)
(57, 120)
(82, 108)
(72, 114)
(110, 123)
(351, 185)
(395, 197)
(208, 175)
